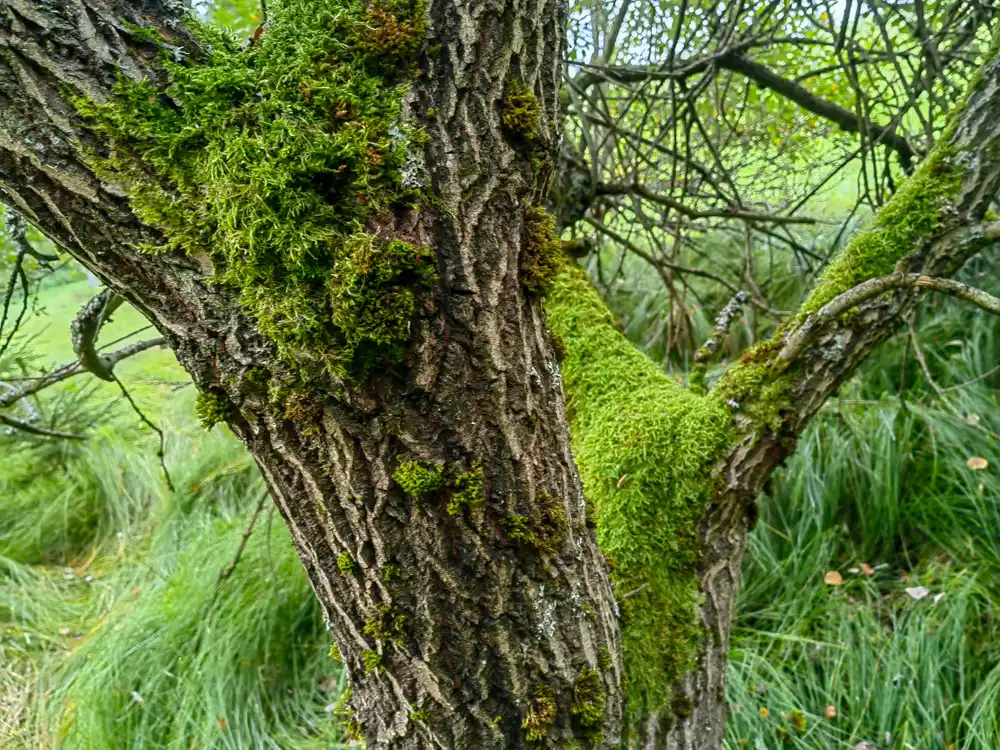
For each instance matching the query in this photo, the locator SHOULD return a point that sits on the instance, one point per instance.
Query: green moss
(372, 660)
(604, 658)
(589, 701)
(211, 408)
(390, 572)
(468, 491)
(386, 625)
(257, 377)
(629, 418)
(542, 253)
(419, 477)
(521, 112)
(278, 163)
(335, 654)
(420, 715)
(909, 220)
(540, 715)
(345, 563)
(545, 529)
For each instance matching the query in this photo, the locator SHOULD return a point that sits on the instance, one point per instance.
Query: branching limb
(87, 327)
(800, 339)
(723, 323)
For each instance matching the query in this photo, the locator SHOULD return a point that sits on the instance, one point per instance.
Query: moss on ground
(645, 447)
(276, 161)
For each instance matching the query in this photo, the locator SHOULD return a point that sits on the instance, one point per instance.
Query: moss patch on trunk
(277, 161)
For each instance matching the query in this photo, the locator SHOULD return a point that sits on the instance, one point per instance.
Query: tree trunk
(455, 629)
(435, 501)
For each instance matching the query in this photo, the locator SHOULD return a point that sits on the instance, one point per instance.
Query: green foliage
(521, 111)
(645, 447)
(419, 477)
(372, 661)
(211, 408)
(540, 715)
(542, 255)
(275, 161)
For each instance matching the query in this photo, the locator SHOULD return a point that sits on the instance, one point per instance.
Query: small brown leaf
(977, 463)
(831, 712)
(621, 481)
(867, 569)
(833, 578)
(222, 723)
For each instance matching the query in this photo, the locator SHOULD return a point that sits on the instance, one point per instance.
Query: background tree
(367, 411)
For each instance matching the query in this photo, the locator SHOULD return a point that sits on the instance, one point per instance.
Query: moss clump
(545, 529)
(589, 699)
(302, 406)
(386, 625)
(521, 113)
(277, 163)
(629, 417)
(907, 222)
(345, 563)
(419, 477)
(390, 572)
(372, 661)
(335, 654)
(541, 714)
(212, 408)
(420, 715)
(468, 491)
(541, 252)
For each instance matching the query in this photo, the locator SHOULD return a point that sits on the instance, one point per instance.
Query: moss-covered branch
(646, 447)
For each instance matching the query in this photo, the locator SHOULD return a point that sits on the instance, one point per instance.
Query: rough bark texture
(454, 631)
(450, 628)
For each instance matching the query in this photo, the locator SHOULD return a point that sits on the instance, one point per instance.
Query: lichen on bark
(282, 163)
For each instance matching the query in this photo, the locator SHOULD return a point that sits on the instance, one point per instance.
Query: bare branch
(87, 327)
(801, 338)
(24, 426)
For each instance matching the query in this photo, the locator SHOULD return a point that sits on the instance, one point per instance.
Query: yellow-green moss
(906, 222)
(521, 112)
(589, 700)
(211, 409)
(545, 529)
(542, 253)
(345, 563)
(540, 714)
(629, 419)
(419, 477)
(468, 491)
(372, 660)
(273, 161)
(390, 572)
(386, 625)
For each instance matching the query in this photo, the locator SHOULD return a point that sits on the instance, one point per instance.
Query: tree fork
(455, 629)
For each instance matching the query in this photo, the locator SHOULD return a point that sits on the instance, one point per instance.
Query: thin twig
(227, 572)
(160, 451)
(19, 424)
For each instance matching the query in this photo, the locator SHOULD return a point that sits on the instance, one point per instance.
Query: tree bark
(452, 630)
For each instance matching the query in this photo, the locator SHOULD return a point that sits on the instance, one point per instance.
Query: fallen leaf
(865, 745)
(833, 578)
(938, 597)
(63, 631)
(222, 723)
(917, 592)
(831, 712)
(867, 569)
(764, 713)
(798, 721)
(977, 463)
(622, 480)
